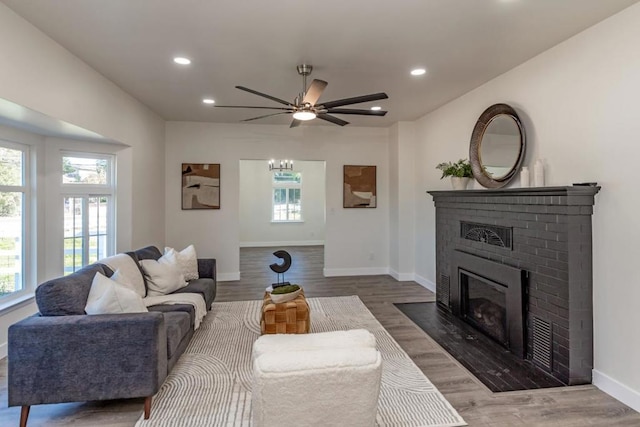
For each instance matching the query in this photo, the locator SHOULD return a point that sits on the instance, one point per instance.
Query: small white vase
(459, 183)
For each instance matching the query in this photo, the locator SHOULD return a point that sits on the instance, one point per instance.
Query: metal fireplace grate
(490, 234)
(542, 343)
(442, 289)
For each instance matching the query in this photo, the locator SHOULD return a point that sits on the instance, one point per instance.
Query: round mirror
(497, 146)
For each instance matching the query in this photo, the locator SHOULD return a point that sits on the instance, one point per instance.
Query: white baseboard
(401, 277)
(366, 271)
(284, 243)
(424, 282)
(227, 277)
(616, 389)
(3, 350)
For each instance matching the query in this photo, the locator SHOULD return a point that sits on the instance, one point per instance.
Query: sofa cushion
(178, 324)
(204, 287)
(67, 295)
(168, 308)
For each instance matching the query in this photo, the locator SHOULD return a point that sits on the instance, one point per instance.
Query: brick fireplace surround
(546, 233)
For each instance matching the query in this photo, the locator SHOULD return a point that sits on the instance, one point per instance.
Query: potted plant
(460, 173)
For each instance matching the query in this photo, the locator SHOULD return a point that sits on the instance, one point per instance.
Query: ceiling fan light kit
(305, 107)
(304, 115)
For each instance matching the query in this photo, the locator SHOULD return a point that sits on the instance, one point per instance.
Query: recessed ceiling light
(208, 101)
(181, 60)
(418, 72)
(376, 108)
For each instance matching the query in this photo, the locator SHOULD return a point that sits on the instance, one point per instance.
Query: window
(287, 189)
(88, 203)
(14, 212)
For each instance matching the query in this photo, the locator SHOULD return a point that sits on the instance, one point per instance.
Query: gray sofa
(62, 354)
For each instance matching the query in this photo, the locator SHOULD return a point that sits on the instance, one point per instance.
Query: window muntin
(287, 191)
(13, 218)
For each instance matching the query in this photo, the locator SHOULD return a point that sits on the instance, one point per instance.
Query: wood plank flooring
(562, 406)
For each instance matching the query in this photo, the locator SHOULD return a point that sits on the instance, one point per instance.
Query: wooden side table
(291, 317)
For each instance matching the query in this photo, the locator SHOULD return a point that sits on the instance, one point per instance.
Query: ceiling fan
(306, 107)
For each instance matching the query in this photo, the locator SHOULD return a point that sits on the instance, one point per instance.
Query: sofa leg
(147, 407)
(24, 415)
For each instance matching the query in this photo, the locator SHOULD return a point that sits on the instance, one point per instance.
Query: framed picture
(200, 186)
(359, 189)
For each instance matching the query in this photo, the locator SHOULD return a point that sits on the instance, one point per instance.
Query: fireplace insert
(491, 297)
(484, 305)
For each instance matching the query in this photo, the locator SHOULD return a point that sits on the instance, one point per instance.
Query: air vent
(442, 290)
(542, 344)
(490, 234)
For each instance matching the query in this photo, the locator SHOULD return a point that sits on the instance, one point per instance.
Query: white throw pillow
(129, 273)
(162, 277)
(186, 259)
(109, 297)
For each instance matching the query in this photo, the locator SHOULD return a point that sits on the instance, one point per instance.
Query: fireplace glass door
(484, 305)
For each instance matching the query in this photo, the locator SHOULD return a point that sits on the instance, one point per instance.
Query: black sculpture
(280, 269)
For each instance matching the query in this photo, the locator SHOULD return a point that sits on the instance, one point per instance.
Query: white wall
(579, 105)
(256, 191)
(356, 240)
(402, 167)
(39, 74)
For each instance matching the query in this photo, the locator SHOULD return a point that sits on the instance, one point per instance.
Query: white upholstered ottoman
(325, 379)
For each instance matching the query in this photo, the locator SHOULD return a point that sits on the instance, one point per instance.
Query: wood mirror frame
(475, 158)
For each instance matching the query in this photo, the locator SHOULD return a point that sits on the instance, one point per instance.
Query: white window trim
(28, 261)
(287, 186)
(82, 190)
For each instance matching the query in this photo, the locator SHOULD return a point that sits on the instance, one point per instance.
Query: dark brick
(552, 241)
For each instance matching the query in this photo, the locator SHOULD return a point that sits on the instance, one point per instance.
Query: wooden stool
(291, 317)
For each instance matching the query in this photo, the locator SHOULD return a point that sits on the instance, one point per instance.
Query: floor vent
(442, 289)
(542, 344)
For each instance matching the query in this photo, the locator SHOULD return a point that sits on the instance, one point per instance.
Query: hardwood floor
(563, 406)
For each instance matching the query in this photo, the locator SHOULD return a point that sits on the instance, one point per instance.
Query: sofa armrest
(82, 358)
(207, 268)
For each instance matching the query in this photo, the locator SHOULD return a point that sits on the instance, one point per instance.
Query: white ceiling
(358, 46)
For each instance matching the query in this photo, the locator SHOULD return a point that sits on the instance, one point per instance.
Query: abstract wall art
(359, 187)
(200, 186)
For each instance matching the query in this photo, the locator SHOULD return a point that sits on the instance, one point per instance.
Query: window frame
(84, 192)
(280, 185)
(26, 257)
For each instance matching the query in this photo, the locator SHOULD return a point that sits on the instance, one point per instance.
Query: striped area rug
(211, 383)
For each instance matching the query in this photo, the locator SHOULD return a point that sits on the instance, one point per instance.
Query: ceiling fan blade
(248, 106)
(354, 100)
(332, 119)
(314, 92)
(264, 95)
(295, 123)
(266, 115)
(356, 111)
